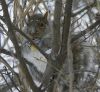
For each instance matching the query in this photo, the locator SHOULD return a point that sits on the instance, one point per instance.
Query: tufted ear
(46, 15)
(29, 16)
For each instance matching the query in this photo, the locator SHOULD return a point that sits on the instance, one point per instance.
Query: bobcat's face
(37, 25)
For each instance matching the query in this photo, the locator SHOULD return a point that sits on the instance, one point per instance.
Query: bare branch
(17, 48)
(82, 33)
(83, 9)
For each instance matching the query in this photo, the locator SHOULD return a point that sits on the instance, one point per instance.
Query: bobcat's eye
(41, 25)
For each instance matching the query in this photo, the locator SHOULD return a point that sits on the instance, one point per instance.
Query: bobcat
(39, 29)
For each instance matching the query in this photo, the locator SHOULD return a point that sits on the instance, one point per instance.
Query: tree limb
(17, 48)
(83, 9)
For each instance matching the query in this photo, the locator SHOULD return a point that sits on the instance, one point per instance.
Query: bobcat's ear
(28, 18)
(46, 15)
(30, 14)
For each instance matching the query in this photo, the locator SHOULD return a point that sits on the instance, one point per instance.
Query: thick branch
(66, 29)
(17, 48)
(55, 43)
(59, 60)
(56, 26)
